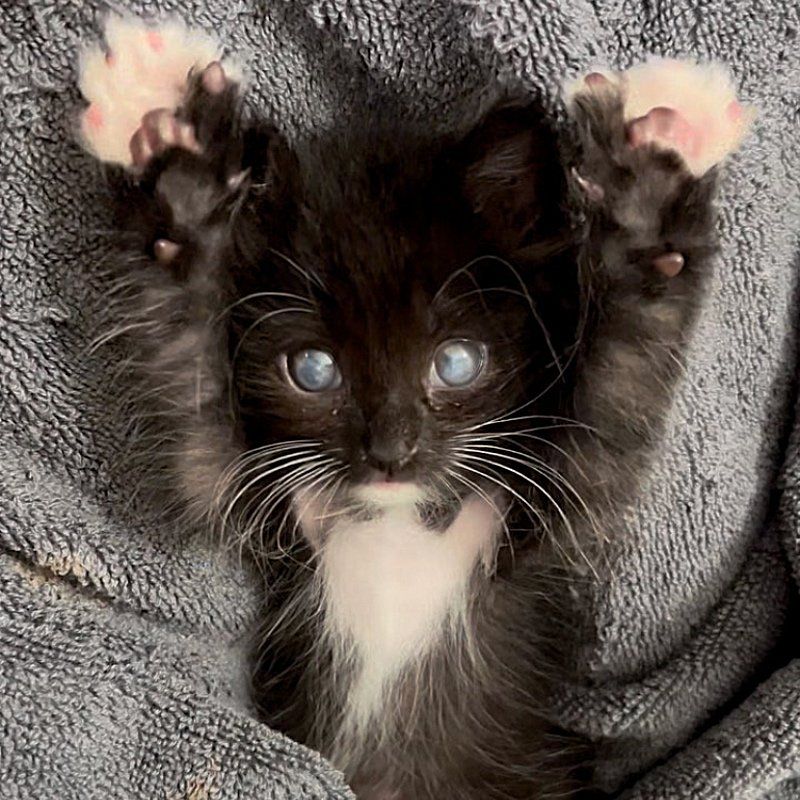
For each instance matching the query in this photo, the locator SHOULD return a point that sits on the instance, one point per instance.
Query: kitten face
(390, 323)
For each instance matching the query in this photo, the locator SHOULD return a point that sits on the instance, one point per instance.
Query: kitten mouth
(383, 490)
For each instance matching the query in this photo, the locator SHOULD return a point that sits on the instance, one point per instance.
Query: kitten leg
(193, 183)
(649, 139)
(165, 108)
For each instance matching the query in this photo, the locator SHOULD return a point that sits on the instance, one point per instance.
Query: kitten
(417, 379)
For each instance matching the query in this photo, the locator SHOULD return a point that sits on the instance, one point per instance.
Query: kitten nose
(389, 454)
(392, 439)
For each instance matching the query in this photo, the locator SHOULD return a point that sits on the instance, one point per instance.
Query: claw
(214, 79)
(165, 250)
(593, 191)
(669, 264)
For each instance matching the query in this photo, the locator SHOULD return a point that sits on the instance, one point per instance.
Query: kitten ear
(511, 174)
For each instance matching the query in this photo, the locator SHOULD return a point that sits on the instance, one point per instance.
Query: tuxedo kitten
(416, 379)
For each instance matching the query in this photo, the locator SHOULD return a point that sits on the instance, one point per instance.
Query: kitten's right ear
(511, 173)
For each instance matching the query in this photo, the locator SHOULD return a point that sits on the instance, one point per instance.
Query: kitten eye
(314, 370)
(457, 363)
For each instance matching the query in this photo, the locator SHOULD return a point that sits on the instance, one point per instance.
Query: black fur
(377, 245)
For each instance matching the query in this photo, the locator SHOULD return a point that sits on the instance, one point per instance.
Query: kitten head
(410, 309)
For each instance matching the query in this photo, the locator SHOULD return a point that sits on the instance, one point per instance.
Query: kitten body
(415, 534)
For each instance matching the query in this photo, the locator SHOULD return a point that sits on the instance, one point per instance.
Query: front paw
(189, 159)
(205, 124)
(678, 106)
(135, 82)
(649, 138)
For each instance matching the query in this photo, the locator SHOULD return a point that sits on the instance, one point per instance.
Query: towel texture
(123, 645)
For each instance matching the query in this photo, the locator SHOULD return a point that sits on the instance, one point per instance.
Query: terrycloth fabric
(123, 645)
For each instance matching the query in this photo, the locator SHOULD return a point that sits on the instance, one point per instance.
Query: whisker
(503, 485)
(472, 486)
(258, 295)
(261, 457)
(264, 318)
(307, 483)
(504, 418)
(538, 467)
(294, 477)
(535, 463)
(468, 454)
(295, 460)
(277, 492)
(310, 276)
(568, 526)
(327, 478)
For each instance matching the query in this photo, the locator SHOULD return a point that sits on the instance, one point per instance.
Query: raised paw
(136, 83)
(163, 128)
(674, 105)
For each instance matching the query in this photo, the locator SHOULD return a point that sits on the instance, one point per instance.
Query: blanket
(125, 643)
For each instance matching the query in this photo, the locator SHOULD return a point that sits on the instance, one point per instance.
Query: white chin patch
(390, 586)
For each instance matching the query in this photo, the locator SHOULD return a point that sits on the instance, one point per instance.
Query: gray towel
(123, 646)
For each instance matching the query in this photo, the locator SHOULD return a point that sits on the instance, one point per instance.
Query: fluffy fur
(415, 538)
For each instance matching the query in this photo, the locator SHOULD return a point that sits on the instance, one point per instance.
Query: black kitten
(415, 376)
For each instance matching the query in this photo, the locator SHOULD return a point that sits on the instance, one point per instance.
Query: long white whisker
(327, 478)
(255, 462)
(474, 487)
(308, 483)
(535, 464)
(276, 493)
(256, 296)
(560, 511)
(270, 468)
(503, 485)
(310, 276)
(468, 454)
(569, 423)
(294, 477)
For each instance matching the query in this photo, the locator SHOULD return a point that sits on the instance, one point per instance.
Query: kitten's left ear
(511, 174)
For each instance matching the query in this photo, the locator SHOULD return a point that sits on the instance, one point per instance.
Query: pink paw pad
(214, 79)
(677, 105)
(669, 129)
(94, 118)
(155, 40)
(140, 69)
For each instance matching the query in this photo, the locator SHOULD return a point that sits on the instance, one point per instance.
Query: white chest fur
(391, 585)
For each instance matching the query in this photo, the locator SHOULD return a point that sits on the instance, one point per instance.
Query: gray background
(122, 644)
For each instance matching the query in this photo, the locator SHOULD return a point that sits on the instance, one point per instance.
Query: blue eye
(457, 363)
(314, 370)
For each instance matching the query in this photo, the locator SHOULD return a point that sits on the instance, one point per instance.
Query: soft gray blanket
(123, 645)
